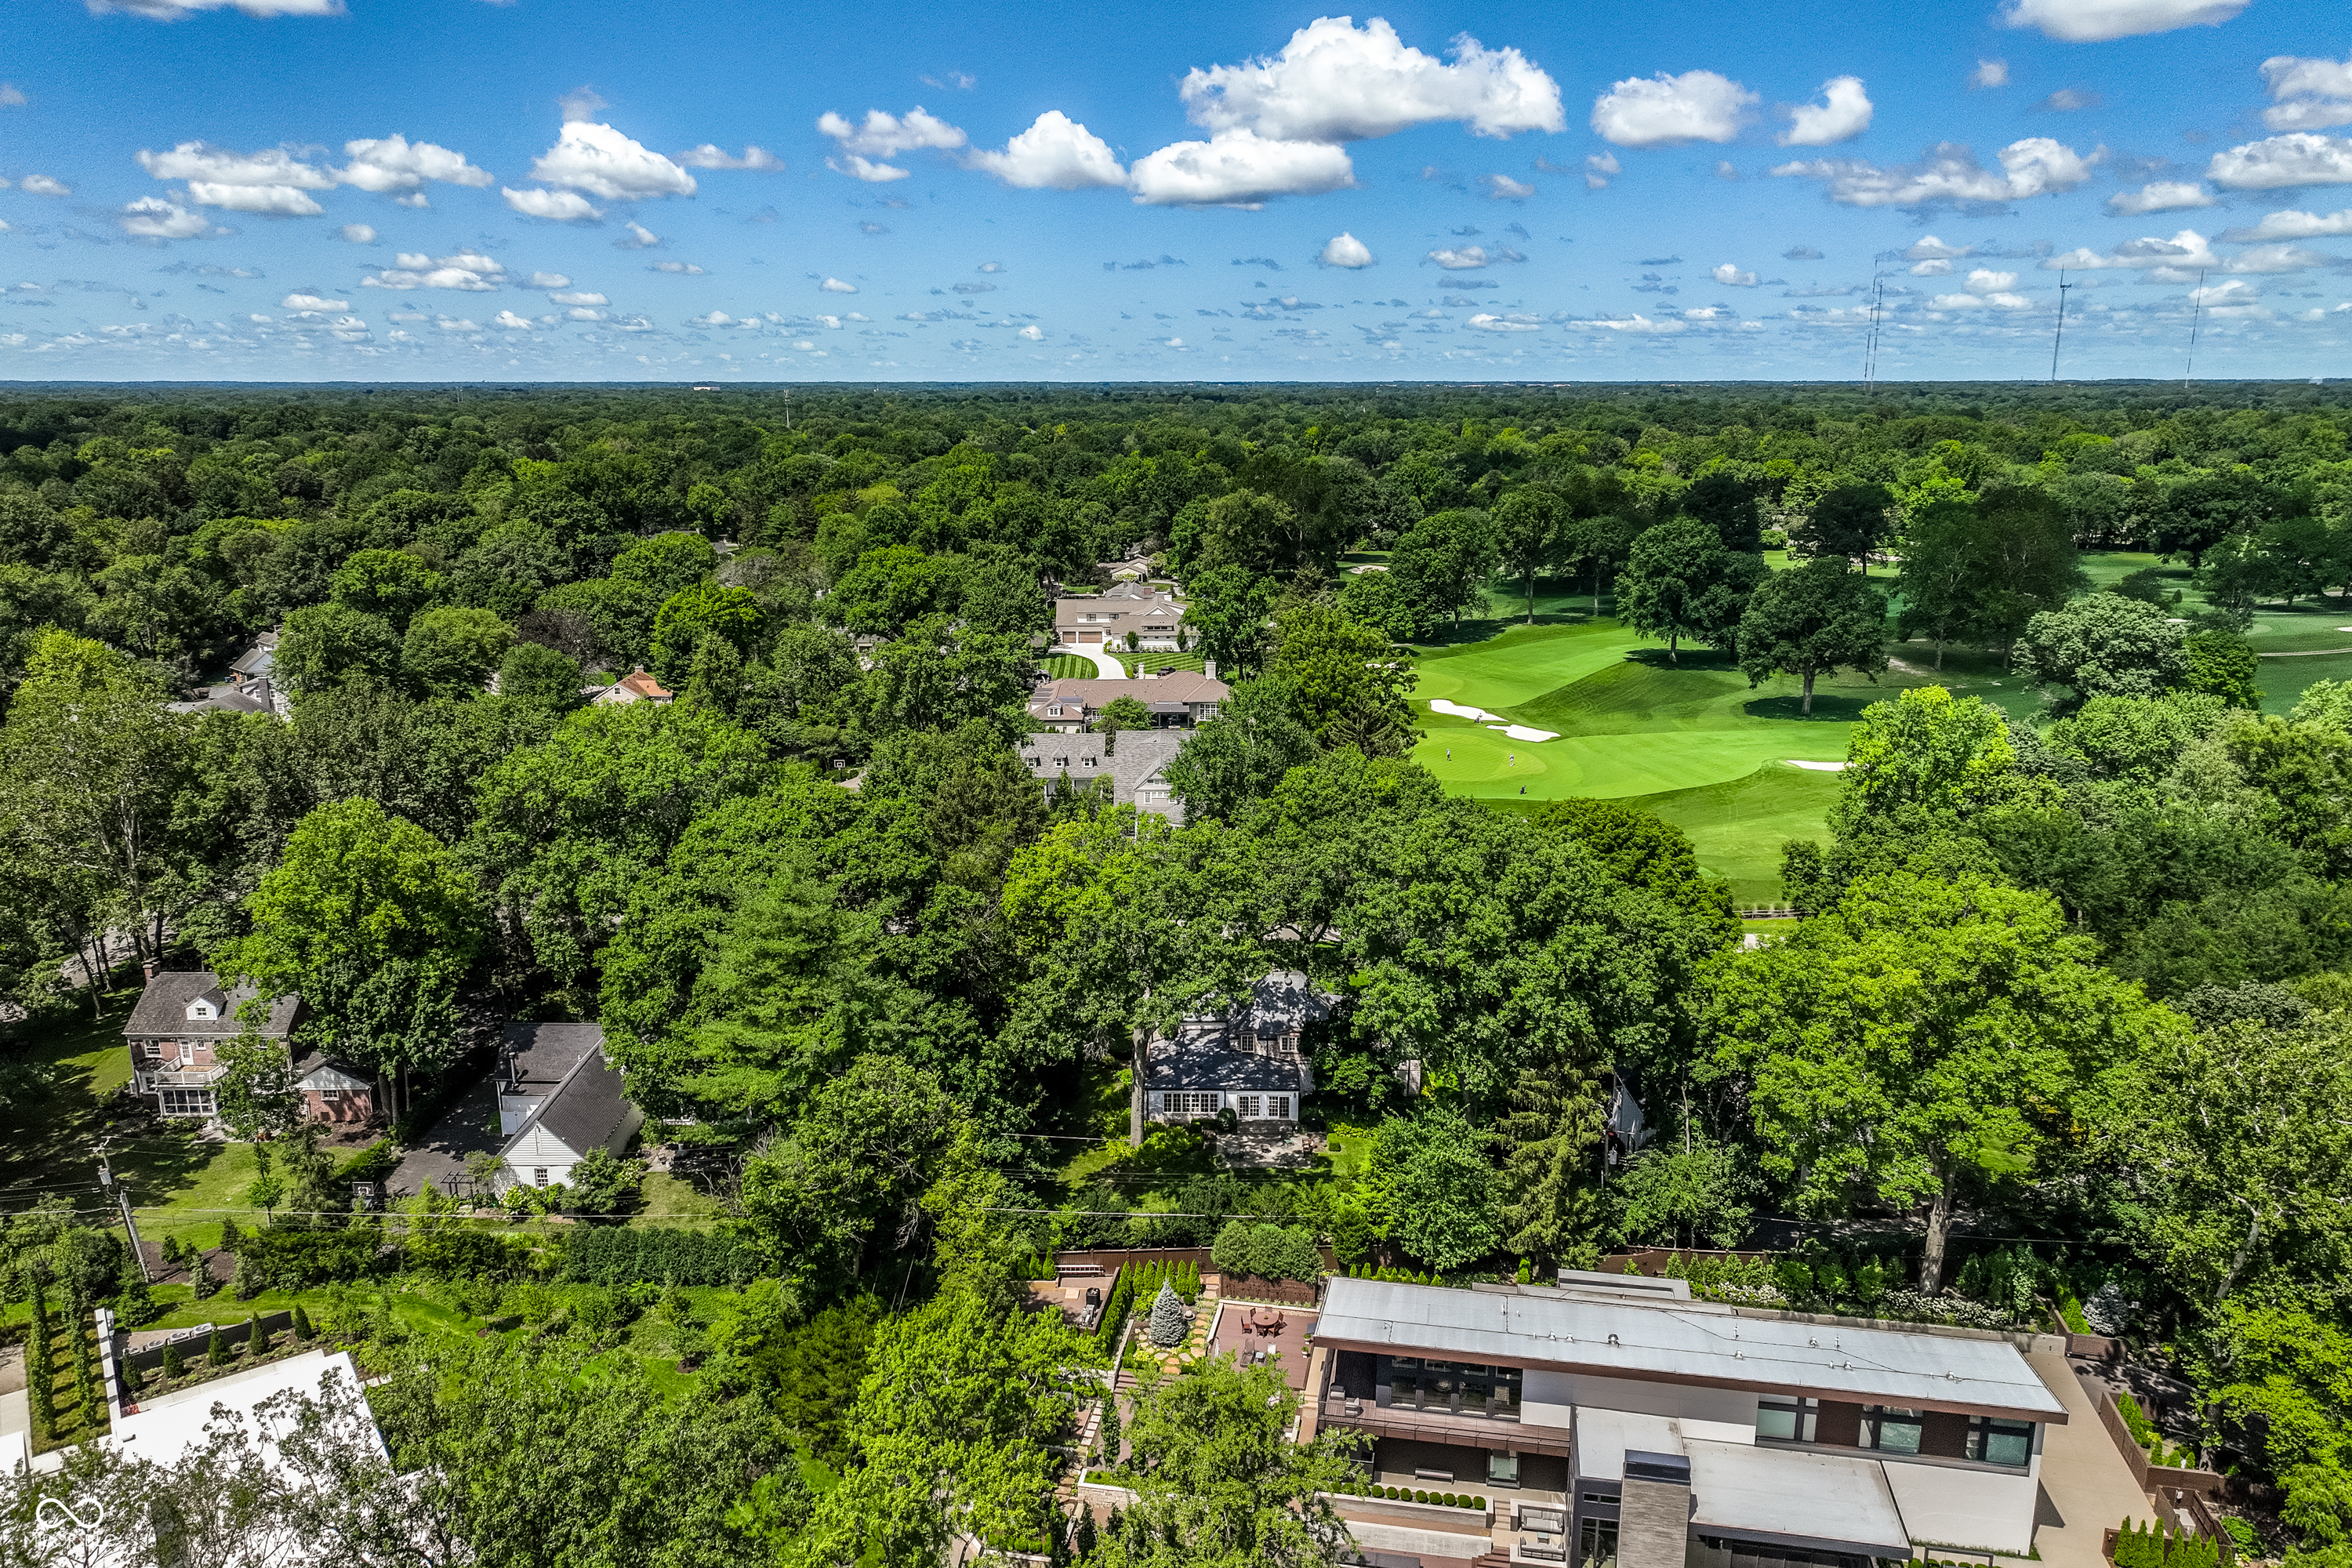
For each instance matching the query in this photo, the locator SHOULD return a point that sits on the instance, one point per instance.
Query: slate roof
(1140, 755)
(543, 1054)
(1224, 1051)
(588, 1110)
(163, 1009)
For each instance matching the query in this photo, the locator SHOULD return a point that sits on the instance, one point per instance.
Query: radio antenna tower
(1870, 354)
(2196, 314)
(2060, 337)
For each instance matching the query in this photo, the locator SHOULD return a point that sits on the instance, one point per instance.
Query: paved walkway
(1106, 666)
(2087, 1489)
(469, 1126)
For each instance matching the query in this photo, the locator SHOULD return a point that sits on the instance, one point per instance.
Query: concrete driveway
(2085, 1482)
(470, 1126)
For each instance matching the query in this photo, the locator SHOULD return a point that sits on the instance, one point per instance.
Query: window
(1055, 711)
(1503, 1469)
(1451, 1388)
(1031, 760)
(1248, 1106)
(1278, 1105)
(539, 1176)
(330, 1094)
(1190, 1104)
(1602, 1499)
(1787, 1420)
(1089, 761)
(1890, 1429)
(1596, 1543)
(151, 1049)
(187, 1101)
(1999, 1442)
(1062, 763)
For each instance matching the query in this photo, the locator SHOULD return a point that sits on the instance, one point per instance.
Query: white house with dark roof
(558, 1099)
(1249, 1059)
(1613, 1418)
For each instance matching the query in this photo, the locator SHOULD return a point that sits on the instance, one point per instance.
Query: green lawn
(1069, 667)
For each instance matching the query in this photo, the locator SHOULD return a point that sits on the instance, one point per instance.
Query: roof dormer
(206, 1007)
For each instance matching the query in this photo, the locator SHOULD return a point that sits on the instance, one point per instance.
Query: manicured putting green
(1737, 828)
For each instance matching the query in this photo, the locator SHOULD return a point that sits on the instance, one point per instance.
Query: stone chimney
(1653, 1518)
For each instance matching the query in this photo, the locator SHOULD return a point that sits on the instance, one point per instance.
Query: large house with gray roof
(1614, 1420)
(1132, 766)
(1175, 699)
(174, 1032)
(1249, 1059)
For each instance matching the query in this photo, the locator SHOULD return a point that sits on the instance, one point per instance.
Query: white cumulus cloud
(312, 302)
(511, 322)
(1843, 113)
(2036, 166)
(638, 237)
(1989, 73)
(357, 233)
(562, 207)
(1238, 168)
(599, 161)
(1503, 188)
(2279, 162)
(395, 163)
(2308, 94)
(2295, 225)
(864, 147)
(711, 156)
(1731, 277)
(42, 185)
(2096, 21)
(1460, 258)
(1598, 168)
(547, 280)
(1934, 266)
(1055, 153)
(2159, 196)
(1346, 250)
(1334, 81)
(1486, 323)
(152, 217)
(835, 286)
(578, 299)
(1031, 333)
(683, 268)
(1660, 111)
(467, 271)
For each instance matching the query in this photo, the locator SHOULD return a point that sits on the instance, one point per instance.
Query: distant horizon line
(7, 384)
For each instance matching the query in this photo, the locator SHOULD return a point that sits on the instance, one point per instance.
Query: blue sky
(710, 191)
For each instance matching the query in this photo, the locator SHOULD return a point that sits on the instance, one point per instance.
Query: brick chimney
(147, 968)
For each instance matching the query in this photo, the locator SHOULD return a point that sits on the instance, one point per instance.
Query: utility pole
(121, 1196)
(2060, 337)
(2196, 313)
(788, 408)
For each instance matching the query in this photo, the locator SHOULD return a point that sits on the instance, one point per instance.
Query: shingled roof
(163, 1009)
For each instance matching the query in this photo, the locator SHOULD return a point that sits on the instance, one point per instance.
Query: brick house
(180, 1020)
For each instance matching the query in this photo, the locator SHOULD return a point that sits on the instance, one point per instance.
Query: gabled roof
(317, 1070)
(262, 658)
(1174, 686)
(543, 1054)
(1235, 1049)
(586, 1111)
(163, 1009)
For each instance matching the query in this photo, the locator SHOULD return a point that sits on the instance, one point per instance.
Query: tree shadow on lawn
(1828, 708)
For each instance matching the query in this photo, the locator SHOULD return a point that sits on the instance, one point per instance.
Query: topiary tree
(1169, 1323)
(174, 1368)
(302, 1331)
(216, 1348)
(1112, 1436)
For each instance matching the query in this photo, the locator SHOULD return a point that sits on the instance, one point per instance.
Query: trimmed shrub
(216, 1349)
(299, 1259)
(256, 1343)
(610, 1255)
(302, 1331)
(173, 1367)
(1420, 1497)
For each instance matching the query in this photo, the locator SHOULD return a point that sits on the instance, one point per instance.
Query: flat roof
(164, 1429)
(1795, 1497)
(1687, 1343)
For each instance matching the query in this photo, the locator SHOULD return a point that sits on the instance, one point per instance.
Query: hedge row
(619, 1255)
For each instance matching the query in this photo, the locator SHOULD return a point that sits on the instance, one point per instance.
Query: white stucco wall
(1718, 1414)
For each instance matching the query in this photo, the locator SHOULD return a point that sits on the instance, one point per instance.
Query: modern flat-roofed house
(558, 1099)
(180, 1021)
(1247, 1059)
(1614, 1420)
(1176, 699)
(1137, 766)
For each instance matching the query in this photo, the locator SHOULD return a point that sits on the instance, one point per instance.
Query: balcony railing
(1462, 1431)
(199, 1078)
